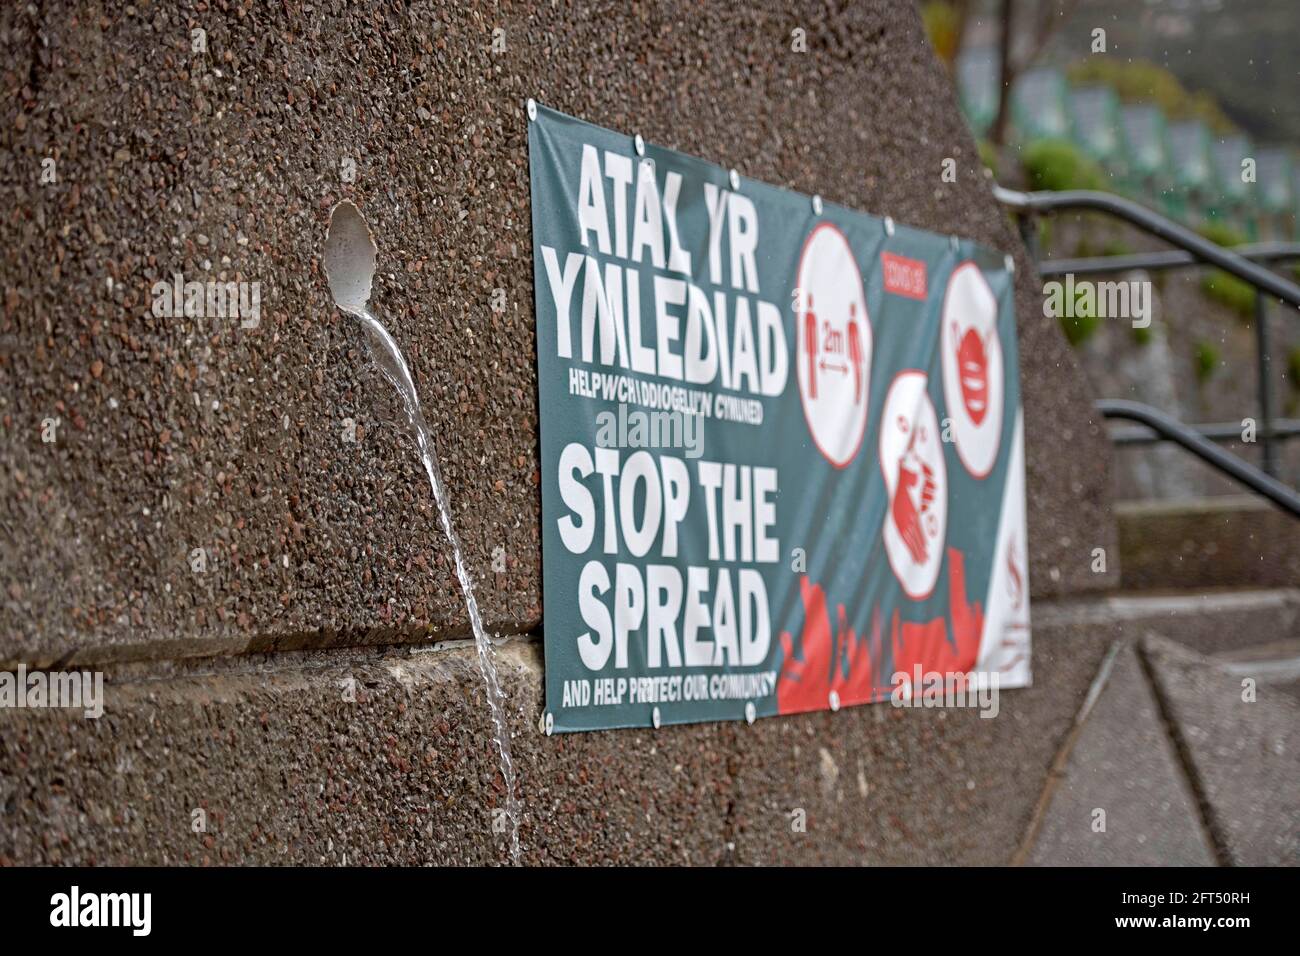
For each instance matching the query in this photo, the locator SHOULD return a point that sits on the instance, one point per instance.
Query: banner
(782, 446)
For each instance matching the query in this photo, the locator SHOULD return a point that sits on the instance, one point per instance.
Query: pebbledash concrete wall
(323, 559)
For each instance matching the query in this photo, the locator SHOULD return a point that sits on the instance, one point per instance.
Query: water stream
(390, 361)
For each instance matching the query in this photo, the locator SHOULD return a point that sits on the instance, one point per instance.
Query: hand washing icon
(913, 496)
(916, 482)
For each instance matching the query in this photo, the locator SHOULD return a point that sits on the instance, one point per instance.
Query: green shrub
(1207, 361)
(1079, 328)
(989, 156)
(1141, 81)
(1056, 164)
(1293, 367)
(943, 26)
(1220, 233)
(1142, 335)
(1044, 232)
(1236, 294)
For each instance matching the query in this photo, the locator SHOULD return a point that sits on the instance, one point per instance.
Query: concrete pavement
(1184, 758)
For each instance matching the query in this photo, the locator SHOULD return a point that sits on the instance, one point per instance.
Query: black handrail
(1175, 431)
(1193, 248)
(1161, 260)
(1215, 431)
(1157, 225)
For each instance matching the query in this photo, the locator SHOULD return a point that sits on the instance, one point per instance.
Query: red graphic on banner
(973, 367)
(846, 666)
(913, 496)
(851, 665)
(903, 276)
(833, 349)
(810, 339)
(927, 644)
(1015, 582)
(855, 353)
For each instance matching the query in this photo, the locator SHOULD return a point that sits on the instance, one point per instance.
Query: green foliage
(1207, 361)
(1079, 328)
(1236, 294)
(989, 156)
(1141, 81)
(1220, 233)
(1218, 285)
(1086, 247)
(1293, 367)
(1142, 335)
(1058, 164)
(1044, 240)
(943, 26)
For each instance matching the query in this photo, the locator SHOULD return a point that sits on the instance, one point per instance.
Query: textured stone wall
(185, 433)
(172, 434)
(287, 770)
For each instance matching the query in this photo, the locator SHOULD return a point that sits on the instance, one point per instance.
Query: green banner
(782, 446)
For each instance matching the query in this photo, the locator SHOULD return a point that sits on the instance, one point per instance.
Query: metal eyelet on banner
(547, 723)
(654, 717)
(1010, 263)
(817, 205)
(889, 225)
(835, 700)
(751, 712)
(639, 143)
(532, 108)
(734, 178)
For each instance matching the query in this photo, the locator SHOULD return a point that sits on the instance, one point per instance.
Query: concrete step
(1237, 541)
(1118, 796)
(1178, 758)
(1235, 719)
(1212, 622)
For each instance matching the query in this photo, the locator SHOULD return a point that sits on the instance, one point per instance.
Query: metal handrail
(1215, 431)
(1156, 224)
(1161, 260)
(1173, 430)
(1192, 245)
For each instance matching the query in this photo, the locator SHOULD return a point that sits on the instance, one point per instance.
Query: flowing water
(390, 361)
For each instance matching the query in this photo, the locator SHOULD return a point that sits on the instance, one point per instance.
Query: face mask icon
(973, 371)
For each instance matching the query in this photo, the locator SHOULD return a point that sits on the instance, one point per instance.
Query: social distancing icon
(834, 348)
